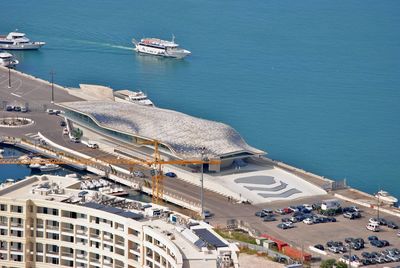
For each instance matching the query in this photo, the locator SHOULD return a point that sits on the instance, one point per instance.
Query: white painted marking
(16, 95)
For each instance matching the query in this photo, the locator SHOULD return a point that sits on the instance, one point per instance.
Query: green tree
(341, 265)
(328, 263)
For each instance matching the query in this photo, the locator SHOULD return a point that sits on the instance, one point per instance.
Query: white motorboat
(7, 60)
(49, 167)
(115, 191)
(158, 47)
(137, 97)
(35, 166)
(18, 41)
(386, 197)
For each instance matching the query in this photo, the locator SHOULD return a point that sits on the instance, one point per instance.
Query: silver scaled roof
(185, 135)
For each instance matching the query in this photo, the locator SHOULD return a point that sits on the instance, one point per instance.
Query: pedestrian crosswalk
(34, 136)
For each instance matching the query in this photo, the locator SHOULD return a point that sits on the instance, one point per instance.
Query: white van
(374, 227)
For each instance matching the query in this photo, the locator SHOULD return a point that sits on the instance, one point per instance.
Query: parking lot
(303, 235)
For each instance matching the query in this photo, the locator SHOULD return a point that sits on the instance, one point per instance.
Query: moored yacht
(7, 60)
(49, 167)
(386, 197)
(158, 47)
(137, 97)
(18, 41)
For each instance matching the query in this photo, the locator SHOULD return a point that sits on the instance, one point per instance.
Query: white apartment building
(46, 221)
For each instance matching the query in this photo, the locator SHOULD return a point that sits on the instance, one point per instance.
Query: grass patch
(236, 235)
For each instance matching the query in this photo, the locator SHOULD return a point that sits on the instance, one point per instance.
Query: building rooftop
(185, 135)
(65, 190)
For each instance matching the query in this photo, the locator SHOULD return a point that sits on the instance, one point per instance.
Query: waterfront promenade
(38, 94)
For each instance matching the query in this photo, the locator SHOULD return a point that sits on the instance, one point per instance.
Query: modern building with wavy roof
(181, 136)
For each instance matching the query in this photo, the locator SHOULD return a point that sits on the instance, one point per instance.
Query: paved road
(25, 90)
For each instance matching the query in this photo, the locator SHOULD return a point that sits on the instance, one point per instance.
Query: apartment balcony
(81, 257)
(4, 223)
(52, 254)
(16, 225)
(67, 230)
(95, 261)
(67, 256)
(16, 251)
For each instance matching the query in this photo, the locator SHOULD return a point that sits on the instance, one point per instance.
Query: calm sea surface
(314, 83)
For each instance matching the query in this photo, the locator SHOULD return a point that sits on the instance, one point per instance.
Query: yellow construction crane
(156, 164)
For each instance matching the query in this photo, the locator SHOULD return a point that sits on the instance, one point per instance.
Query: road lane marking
(16, 95)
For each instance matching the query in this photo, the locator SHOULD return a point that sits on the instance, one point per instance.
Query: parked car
(372, 237)
(282, 226)
(170, 174)
(373, 220)
(398, 233)
(268, 211)
(309, 207)
(280, 211)
(9, 108)
(24, 109)
(287, 210)
(382, 221)
(308, 221)
(62, 123)
(349, 215)
(65, 131)
(319, 246)
(17, 108)
(331, 219)
(392, 225)
(260, 214)
(269, 218)
(289, 224)
(285, 220)
(373, 227)
(349, 239)
(377, 243)
(334, 249)
(74, 139)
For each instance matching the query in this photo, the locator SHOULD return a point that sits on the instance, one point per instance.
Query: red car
(287, 210)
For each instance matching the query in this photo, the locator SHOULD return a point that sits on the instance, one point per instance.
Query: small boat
(18, 41)
(1, 151)
(386, 197)
(49, 167)
(35, 165)
(115, 191)
(158, 47)
(7, 60)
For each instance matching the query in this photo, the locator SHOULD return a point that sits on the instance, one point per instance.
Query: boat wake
(104, 44)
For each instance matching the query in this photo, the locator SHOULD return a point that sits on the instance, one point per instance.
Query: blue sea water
(314, 83)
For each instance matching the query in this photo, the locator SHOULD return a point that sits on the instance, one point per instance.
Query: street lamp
(202, 183)
(52, 73)
(9, 77)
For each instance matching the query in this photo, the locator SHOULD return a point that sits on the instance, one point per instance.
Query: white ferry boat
(7, 60)
(386, 197)
(18, 41)
(158, 47)
(137, 97)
